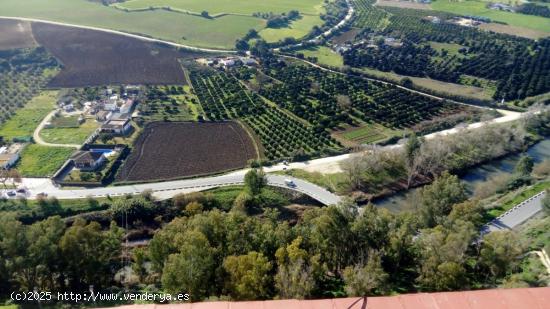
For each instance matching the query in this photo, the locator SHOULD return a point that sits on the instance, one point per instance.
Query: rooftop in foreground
(532, 298)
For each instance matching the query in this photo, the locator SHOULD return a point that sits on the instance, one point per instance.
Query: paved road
(135, 36)
(38, 139)
(171, 188)
(517, 215)
(165, 190)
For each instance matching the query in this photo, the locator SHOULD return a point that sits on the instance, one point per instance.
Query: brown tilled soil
(15, 34)
(92, 58)
(170, 150)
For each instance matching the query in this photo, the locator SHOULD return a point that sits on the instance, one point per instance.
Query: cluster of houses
(228, 62)
(10, 154)
(501, 7)
(367, 43)
(114, 110)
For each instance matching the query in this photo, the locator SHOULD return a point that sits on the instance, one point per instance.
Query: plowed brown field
(92, 58)
(170, 150)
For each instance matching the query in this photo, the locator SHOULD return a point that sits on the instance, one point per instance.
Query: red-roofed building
(525, 298)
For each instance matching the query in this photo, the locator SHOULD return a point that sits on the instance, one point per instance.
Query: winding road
(38, 139)
(168, 189)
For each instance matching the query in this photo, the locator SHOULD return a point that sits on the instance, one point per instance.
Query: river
(473, 176)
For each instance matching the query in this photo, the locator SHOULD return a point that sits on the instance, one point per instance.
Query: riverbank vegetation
(330, 252)
(419, 161)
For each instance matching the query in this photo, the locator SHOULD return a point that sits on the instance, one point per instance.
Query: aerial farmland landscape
(274, 154)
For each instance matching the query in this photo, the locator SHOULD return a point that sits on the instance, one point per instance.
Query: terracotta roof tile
(527, 298)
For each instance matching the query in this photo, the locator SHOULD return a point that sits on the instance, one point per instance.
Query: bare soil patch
(171, 150)
(346, 36)
(15, 34)
(93, 58)
(513, 30)
(404, 4)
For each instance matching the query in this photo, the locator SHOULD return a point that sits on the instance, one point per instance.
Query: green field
(452, 49)
(479, 8)
(42, 161)
(27, 119)
(182, 28)
(324, 55)
(77, 135)
(368, 133)
(215, 7)
(297, 29)
(436, 85)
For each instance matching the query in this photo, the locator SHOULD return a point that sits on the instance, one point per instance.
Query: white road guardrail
(497, 223)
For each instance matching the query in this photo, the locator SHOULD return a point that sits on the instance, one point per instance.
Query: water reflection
(473, 177)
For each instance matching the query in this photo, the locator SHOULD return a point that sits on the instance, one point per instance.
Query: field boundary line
(251, 136)
(122, 33)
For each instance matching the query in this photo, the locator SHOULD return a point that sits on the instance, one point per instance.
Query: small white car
(290, 183)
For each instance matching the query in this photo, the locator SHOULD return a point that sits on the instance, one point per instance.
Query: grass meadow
(479, 8)
(436, 85)
(297, 29)
(75, 135)
(172, 26)
(29, 117)
(42, 161)
(324, 55)
(215, 7)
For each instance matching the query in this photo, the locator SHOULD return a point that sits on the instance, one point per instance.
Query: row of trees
(22, 77)
(49, 256)
(278, 20)
(520, 66)
(420, 161)
(534, 9)
(328, 100)
(209, 254)
(223, 97)
(332, 251)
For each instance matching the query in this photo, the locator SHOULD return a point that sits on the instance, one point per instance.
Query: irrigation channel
(474, 176)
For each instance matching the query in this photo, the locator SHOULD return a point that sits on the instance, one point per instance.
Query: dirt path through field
(40, 141)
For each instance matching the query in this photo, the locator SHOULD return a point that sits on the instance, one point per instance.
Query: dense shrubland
(331, 251)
